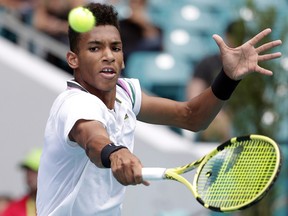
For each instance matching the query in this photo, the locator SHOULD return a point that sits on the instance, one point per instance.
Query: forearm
(94, 148)
(194, 115)
(92, 137)
(201, 111)
(212, 100)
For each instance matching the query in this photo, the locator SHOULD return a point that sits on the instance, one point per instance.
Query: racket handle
(153, 173)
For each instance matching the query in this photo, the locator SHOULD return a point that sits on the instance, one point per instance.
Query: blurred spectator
(5, 200)
(112, 2)
(203, 76)
(25, 206)
(22, 10)
(138, 33)
(51, 17)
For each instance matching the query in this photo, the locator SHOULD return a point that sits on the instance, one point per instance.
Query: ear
(123, 65)
(72, 59)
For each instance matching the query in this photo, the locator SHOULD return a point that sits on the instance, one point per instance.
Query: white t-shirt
(68, 182)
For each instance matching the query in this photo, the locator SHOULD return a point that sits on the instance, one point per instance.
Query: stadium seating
(158, 70)
(190, 46)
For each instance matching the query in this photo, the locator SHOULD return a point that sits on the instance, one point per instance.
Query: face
(31, 180)
(99, 60)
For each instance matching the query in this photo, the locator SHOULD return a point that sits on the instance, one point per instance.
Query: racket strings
(237, 174)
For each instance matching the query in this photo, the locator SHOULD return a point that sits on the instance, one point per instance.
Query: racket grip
(153, 173)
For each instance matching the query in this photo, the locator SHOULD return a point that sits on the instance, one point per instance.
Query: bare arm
(197, 113)
(51, 24)
(43, 21)
(93, 137)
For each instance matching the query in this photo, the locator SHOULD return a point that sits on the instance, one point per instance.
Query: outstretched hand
(240, 61)
(127, 168)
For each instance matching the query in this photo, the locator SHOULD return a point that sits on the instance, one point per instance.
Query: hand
(126, 168)
(242, 60)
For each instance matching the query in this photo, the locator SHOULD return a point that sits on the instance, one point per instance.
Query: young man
(91, 124)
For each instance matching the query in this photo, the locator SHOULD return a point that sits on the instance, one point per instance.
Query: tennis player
(88, 155)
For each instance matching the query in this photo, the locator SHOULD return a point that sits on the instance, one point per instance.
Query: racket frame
(220, 148)
(175, 173)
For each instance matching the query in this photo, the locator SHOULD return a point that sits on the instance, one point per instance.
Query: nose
(108, 55)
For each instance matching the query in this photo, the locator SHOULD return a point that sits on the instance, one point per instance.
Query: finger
(219, 41)
(269, 56)
(146, 183)
(122, 176)
(259, 36)
(263, 71)
(138, 175)
(269, 45)
(132, 176)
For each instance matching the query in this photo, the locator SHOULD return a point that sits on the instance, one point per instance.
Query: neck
(107, 97)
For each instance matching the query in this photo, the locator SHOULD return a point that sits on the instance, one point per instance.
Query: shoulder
(77, 98)
(132, 89)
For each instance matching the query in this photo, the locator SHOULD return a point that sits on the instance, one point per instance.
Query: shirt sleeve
(133, 89)
(80, 106)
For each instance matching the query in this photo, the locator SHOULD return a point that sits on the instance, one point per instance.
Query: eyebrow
(99, 42)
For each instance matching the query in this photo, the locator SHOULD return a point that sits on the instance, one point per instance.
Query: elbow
(200, 127)
(203, 127)
(196, 119)
(197, 127)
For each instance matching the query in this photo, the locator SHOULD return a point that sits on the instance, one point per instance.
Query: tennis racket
(234, 176)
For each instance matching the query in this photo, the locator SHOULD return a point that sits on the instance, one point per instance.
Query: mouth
(108, 72)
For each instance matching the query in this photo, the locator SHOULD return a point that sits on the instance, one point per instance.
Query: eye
(93, 49)
(117, 49)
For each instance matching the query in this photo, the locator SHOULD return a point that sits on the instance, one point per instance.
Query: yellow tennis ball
(81, 19)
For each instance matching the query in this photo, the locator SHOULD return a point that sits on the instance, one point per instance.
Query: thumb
(219, 41)
(146, 183)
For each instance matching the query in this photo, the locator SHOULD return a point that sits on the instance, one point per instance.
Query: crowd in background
(50, 18)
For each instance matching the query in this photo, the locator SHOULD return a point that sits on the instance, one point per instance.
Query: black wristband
(223, 86)
(107, 151)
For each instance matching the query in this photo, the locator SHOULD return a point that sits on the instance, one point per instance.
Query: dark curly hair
(104, 15)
